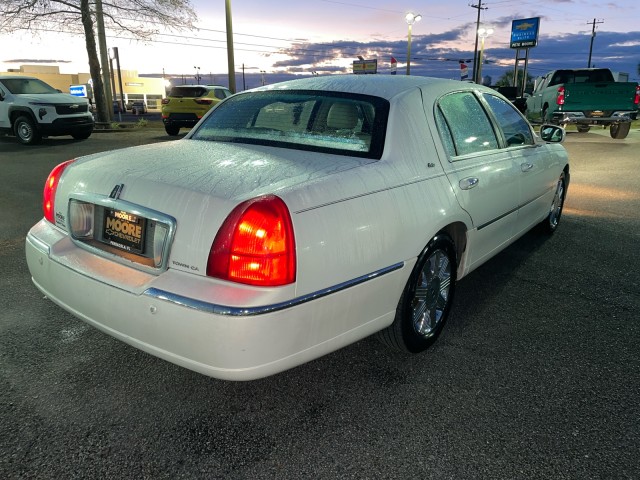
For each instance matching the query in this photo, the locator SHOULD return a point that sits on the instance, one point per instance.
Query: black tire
(619, 130)
(26, 130)
(583, 128)
(172, 130)
(82, 135)
(426, 299)
(552, 220)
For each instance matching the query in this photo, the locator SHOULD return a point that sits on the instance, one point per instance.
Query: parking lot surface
(536, 375)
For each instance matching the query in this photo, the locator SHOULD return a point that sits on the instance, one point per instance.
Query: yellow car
(186, 104)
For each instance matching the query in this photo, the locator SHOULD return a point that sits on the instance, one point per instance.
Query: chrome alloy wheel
(431, 294)
(556, 205)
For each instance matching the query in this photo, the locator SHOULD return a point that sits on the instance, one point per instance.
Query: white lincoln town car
(295, 219)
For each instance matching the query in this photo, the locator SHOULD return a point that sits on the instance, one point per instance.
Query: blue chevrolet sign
(524, 33)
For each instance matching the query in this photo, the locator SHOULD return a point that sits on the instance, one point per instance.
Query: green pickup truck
(584, 97)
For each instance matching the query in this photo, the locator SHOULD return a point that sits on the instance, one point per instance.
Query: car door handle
(525, 167)
(468, 183)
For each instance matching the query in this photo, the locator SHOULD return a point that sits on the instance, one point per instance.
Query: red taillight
(165, 101)
(49, 194)
(637, 99)
(560, 97)
(255, 245)
(203, 101)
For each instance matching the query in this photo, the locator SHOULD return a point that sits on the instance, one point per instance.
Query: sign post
(524, 35)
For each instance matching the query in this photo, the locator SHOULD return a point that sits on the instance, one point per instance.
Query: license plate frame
(124, 230)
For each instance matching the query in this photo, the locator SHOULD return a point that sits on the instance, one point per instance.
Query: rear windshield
(345, 124)
(19, 86)
(581, 76)
(187, 92)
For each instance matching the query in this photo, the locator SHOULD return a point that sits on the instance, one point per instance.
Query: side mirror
(552, 133)
(1, 95)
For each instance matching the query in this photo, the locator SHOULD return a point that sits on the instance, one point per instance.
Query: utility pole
(475, 49)
(230, 57)
(593, 35)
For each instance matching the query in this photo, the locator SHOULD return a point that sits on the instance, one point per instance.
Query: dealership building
(149, 89)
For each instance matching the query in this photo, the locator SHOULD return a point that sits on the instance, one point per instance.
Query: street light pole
(411, 18)
(483, 32)
(115, 55)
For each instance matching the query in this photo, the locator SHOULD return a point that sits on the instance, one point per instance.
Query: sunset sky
(287, 37)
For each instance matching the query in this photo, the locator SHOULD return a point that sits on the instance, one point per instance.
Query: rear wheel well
(458, 233)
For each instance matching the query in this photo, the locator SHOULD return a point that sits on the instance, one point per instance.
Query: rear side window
(343, 124)
(221, 93)
(464, 124)
(515, 128)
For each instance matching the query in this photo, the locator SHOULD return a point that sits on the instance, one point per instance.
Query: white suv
(31, 109)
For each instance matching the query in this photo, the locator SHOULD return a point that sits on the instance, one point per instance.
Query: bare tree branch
(135, 17)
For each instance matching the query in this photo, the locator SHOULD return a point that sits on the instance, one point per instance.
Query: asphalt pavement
(536, 375)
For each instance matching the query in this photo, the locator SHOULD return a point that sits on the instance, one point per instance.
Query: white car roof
(385, 86)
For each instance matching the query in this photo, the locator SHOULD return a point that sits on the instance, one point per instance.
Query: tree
(506, 80)
(137, 19)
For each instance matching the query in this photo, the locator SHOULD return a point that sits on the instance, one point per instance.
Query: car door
(482, 174)
(534, 102)
(536, 177)
(4, 107)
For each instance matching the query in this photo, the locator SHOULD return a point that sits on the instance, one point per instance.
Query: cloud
(438, 55)
(34, 60)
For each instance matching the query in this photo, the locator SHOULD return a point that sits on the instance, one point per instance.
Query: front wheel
(583, 128)
(426, 300)
(552, 220)
(619, 130)
(26, 131)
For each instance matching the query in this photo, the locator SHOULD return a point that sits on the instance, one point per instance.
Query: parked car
(296, 219)
(31, 109)
(138, 107)
(186, 105)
